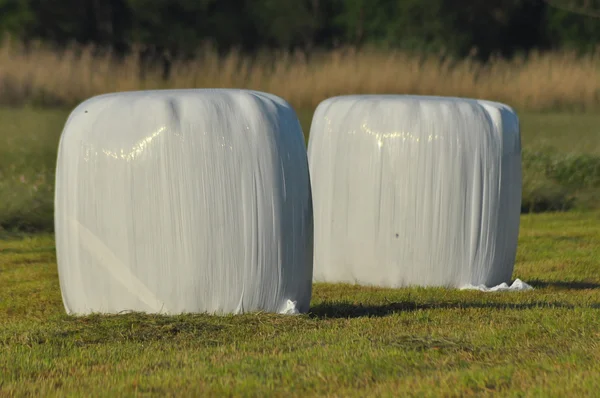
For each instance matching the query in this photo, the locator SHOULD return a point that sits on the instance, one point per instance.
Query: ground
(356, 341)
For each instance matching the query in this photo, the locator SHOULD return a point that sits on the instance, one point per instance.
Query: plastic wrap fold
(182, 201)
(412, 190)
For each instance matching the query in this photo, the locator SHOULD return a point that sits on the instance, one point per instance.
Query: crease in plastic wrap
(184, 201)
(415, 190)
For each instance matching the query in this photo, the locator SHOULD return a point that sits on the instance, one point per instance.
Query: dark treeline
(178, 27)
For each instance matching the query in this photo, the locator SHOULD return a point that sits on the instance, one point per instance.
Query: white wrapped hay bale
(412, 190)
(184, 201)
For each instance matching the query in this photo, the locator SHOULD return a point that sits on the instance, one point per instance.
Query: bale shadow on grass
(347, 310)
(564, 285)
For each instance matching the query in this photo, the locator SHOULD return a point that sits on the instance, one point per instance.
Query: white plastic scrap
(517, 285)
(413, 190)
(184, 201)
(290, 308)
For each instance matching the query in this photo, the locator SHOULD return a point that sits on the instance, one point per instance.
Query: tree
(587, 8)
(573, 24)
(16, 17)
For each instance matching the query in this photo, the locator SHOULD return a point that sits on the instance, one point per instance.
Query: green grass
(355, 341)
(28, 146)
(561, 160)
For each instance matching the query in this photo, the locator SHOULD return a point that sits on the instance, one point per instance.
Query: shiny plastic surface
(184, 201)
(413, 190)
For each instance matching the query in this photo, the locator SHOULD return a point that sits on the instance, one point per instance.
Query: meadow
(355, 341)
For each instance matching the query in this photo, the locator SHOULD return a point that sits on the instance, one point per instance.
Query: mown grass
(354, 342)
(561, 161)
(41, 75)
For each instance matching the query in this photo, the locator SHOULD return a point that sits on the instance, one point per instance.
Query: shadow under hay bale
(346, 310)
(560, 285)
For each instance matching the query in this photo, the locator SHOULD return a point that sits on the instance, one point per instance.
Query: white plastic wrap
(412, 190)
(184, 201)
(517, 286)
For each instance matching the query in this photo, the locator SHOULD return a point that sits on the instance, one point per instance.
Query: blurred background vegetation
(539, 56)
(180, 27)
(531, 54)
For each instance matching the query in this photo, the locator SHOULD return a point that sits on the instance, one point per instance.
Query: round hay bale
(415, 190)
(184, 201)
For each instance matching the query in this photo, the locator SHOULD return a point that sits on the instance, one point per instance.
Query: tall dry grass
(45, 76)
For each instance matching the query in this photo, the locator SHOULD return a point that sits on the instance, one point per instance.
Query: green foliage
(15, 16)
(409, 25)
(576, 171)
(555, 181)
(576, 30)
(455, 27)
(286, 23)
(181, 26)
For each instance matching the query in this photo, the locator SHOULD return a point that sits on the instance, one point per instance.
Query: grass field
(355, 341)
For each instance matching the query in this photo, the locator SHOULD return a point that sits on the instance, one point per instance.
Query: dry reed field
(43, 76)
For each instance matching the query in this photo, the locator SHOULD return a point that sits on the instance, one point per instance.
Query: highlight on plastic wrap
(184, 201)
(415, 190)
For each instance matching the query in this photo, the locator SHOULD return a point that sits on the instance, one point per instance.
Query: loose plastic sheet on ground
(412, 190)
(517, 286)
(184, 201)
